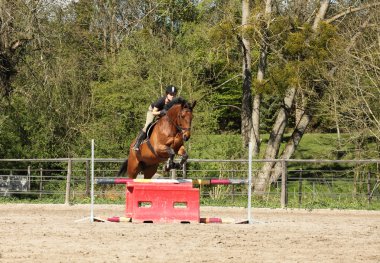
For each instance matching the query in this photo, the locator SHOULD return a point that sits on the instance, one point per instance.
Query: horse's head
(181, 115)
(184, 119)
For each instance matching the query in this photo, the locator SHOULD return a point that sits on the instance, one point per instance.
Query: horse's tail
(123, 168)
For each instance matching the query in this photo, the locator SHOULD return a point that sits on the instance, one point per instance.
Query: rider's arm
(158, 106)
(155, 111)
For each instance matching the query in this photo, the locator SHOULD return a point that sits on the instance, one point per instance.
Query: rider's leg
(139, 140)
(142, 134)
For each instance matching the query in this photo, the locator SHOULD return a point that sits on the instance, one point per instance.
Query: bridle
(179, 128)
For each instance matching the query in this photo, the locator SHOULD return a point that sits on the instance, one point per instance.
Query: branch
(227, 105)
(353, 39)
(365, 62)
(321, 13)
(349, 11)
(234, 77)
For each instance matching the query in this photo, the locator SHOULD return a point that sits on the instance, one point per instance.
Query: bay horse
(164, 142)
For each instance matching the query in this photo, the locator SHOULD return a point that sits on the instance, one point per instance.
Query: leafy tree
(88, 69)
(305, 52)
(143, 68)
(51, 99)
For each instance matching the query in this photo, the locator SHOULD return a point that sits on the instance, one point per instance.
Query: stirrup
(137, 145)
(140, 138)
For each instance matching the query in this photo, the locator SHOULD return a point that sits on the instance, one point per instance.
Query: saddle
(149, 130)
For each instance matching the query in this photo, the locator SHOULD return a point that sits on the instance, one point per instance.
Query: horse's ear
(193, 104)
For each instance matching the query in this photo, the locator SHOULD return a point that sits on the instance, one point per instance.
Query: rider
(155, 109)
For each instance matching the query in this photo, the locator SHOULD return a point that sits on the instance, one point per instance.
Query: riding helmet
(171, 89)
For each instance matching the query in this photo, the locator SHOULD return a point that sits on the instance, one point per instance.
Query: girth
(150, 146)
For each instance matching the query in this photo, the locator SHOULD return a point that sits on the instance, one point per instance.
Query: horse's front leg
(170, 163)
(184, 156)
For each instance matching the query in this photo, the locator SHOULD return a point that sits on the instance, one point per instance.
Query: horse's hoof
(167, 168)
(177, 166)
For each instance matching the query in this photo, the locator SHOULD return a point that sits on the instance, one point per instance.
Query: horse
(164, 142)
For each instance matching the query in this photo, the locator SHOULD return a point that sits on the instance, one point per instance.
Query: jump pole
(92, 218)
(250, 221)
(92, 180)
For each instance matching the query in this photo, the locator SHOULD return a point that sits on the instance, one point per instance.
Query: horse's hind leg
(133, 168)
(149, 171)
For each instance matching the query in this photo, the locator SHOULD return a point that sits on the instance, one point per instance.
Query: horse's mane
(175, 101)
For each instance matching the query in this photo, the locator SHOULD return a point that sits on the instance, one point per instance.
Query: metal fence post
(88, 178)
(173, 173)
(284, 191)
(68, 182)
(369, 187)
(300, 188)
(184, 170)
(29, 175)
(41, 178)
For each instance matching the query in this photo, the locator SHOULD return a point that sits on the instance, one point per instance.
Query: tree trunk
(305, 119)
(262, 66)
(274, 141)
(267, 174)
(255, 131)
(299, 105)
(113, 29)
(292, 144)
(336, 119)
(246, 113)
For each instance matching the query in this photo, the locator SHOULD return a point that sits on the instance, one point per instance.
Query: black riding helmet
(171, 89)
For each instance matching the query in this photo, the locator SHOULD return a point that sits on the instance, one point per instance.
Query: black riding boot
(139, 140)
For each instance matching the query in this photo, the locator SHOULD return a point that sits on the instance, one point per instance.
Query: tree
(355, 84)
(14, 35)
(50, 102)
(147, 61)
(306, 50)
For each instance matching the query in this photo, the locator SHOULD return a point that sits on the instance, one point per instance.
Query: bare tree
(270, 172)
(356, 82)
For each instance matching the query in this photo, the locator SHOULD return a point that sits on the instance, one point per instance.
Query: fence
(301, 182)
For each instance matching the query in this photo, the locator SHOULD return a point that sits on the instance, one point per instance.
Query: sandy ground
(52, 233)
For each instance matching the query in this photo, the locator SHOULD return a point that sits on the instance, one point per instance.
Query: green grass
(312, 146)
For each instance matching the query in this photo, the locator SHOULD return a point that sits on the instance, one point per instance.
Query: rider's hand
(163, 112)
